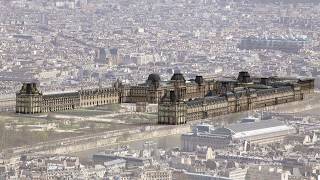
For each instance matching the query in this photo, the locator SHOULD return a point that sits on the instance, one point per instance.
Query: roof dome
(154, 78)
(199, 79)
(177, 77)
(244, 77)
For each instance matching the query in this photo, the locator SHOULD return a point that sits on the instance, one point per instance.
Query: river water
(165, 142)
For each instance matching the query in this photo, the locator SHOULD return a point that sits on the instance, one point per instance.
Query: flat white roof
(244, 134)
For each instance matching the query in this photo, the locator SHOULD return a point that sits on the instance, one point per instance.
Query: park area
(19, 130)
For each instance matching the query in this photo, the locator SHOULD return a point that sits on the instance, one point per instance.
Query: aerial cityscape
(160, 89)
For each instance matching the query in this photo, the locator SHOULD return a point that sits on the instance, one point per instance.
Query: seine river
(165, 142)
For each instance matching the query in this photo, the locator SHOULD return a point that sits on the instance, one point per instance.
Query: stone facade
(60, 102)
(178, 100)
(96, 97)
(31, 102)
(229, 96)
(29, 99)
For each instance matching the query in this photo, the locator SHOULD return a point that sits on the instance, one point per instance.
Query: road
(310, 104)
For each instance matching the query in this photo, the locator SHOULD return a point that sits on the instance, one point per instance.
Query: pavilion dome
(177, 77)
(154, 78)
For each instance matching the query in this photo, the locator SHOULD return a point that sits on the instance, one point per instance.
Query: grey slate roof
(208, 99)
(240, 127)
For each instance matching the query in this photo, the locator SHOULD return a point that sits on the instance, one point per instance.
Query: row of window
(100, 96)
(206, 108)
(47, 102)
(172, 120)
(93, 103)
(28, 109)
(58, 108)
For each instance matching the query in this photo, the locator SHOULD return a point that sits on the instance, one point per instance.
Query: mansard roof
(29, 88)
(244, 77)
(208, 99)
(178, 77)
(223, 131)
(154, 78)
(274, 90)
(97, 91)
(61, 95)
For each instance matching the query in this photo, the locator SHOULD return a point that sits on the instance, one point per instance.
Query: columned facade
(179, 100)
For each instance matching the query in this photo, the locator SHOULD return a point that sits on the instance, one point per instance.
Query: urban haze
(159, 89)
